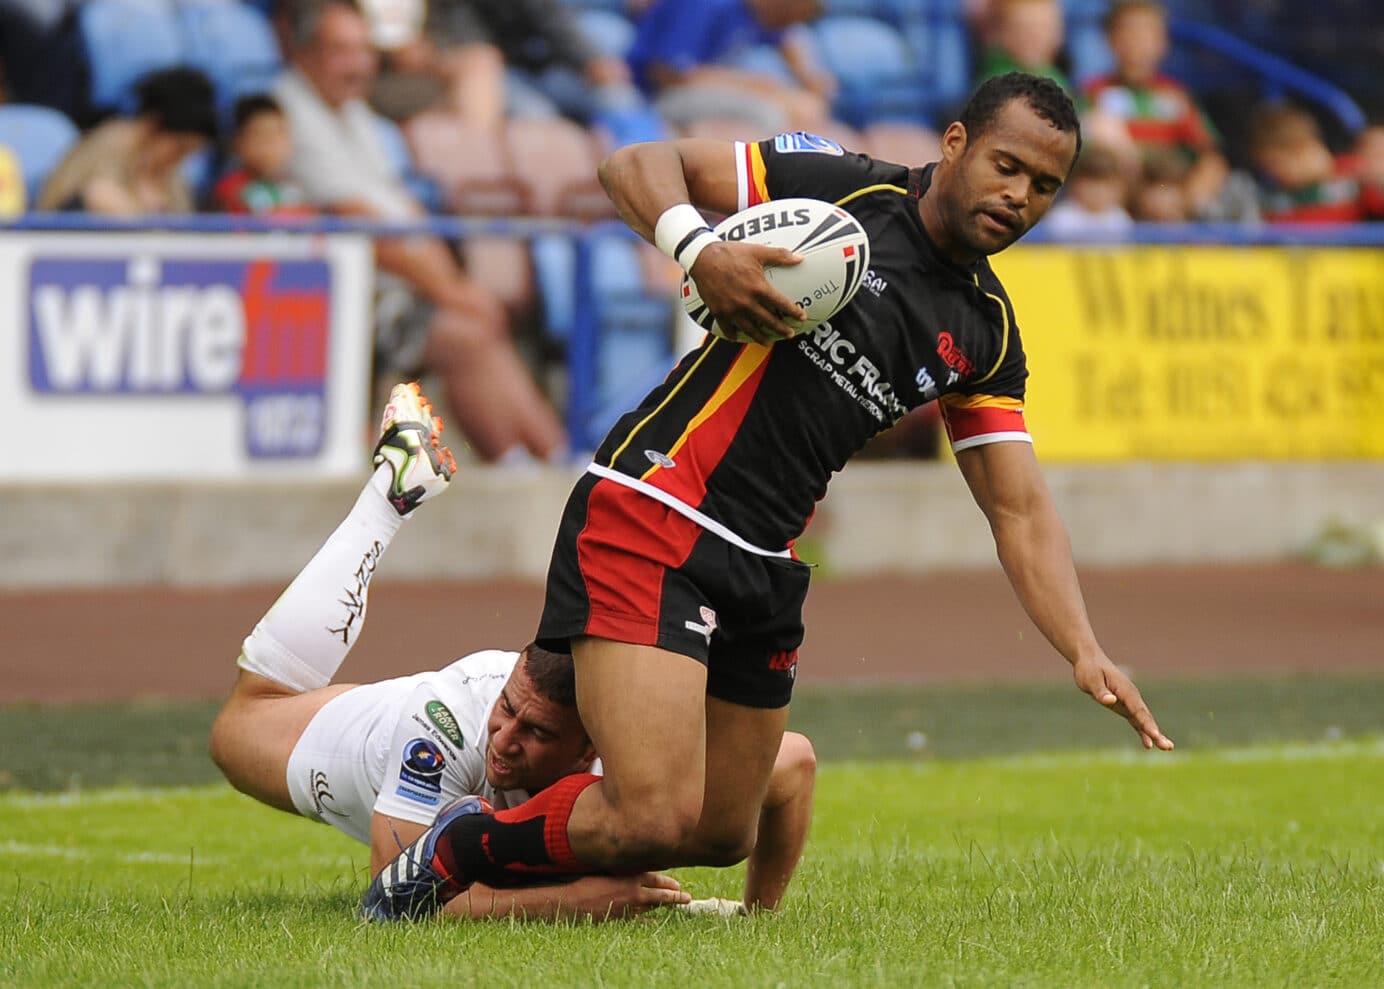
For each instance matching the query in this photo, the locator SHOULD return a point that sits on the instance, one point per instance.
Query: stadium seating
(878, 76)
(607, 31)
(39, 137)
(901, 143)
(555, 160)
(232, 43)
(125, 40)
(469, 164)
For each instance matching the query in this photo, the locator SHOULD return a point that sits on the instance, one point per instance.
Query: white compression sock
(303, 639)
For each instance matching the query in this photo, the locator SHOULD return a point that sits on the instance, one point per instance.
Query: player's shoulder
(804, 164)
(486, 663)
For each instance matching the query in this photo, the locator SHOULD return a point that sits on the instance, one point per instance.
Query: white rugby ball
(835, 256)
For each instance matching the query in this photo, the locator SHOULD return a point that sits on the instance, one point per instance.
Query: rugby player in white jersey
(378, 761)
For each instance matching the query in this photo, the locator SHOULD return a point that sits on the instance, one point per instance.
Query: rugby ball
(835, 256)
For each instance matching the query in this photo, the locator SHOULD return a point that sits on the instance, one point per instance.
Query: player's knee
(723, 850)
(798, 758)
(656, 831)
(221, 742)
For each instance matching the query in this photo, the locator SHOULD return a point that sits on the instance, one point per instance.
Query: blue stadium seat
(614, 6)
(853, 8)
(941, 47)
(764, 60)
(879, 79)
(125, 40)
(39, 137)
(607, 31)
(1090, 55)
(233, 44)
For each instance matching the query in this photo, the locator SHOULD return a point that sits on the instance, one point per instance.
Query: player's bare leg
(256, 730)
(288, 661)
(742, 744)
(643, 708)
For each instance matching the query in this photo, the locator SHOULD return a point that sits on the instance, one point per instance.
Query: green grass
(164, 743)
(965, 836)
(1239, 867)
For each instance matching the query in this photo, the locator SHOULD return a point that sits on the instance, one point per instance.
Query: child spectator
(1160, 113)
(1093, 201)
(1159, 195)
(1025, 36)
(263, 147)
(130, 166)
(1303, 181)
(1369, 167)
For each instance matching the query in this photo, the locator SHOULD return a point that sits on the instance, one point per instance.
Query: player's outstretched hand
(611, 897)
(730, 278)
(1103, 680)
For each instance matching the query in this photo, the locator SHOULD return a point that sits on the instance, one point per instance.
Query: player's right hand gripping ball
(835, 254)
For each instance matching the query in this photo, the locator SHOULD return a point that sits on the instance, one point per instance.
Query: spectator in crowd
(430, 315)
(13, 198)
(13, 195)
(1160, 113)
(1024, 36)
(130, 166)
(482, 59)
(1159, 193)
(1303, 181)
(421, 71)
(1369, 166)
(683, 58)
(1093, 199)
(551, 66)
(262, 146)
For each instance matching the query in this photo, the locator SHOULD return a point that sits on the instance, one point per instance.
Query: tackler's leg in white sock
(288, 661)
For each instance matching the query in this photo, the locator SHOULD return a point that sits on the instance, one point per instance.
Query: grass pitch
(1237, 867)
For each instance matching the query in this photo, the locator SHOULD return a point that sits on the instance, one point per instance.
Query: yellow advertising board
(1201, 353)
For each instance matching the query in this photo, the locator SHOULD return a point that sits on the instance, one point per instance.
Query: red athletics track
(93, 646)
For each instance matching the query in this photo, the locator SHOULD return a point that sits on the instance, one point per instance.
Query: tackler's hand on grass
(1102, 679)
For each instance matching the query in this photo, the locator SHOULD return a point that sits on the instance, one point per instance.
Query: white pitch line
(1273, 752)
(115, 795)
(85, 855)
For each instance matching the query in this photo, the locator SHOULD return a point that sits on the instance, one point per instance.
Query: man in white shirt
(440, 320)
(379, 761)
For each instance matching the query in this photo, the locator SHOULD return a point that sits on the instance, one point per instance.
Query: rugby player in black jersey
(674, 582)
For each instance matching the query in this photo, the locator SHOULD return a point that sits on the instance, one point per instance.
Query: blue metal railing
(1280, 74)
(584, 344)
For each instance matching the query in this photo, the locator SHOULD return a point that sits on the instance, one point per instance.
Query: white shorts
(327, 772)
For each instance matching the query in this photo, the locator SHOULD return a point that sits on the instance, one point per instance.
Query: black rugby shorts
(630, 569)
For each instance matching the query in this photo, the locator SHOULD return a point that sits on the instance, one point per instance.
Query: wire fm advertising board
(129, 356)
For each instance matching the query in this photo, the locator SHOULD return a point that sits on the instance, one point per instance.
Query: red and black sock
(517, 846)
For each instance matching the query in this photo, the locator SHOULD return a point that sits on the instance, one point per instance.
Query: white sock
(305, 636)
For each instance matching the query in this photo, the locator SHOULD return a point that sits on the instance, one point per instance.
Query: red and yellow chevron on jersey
(743, 438)
(973, 420)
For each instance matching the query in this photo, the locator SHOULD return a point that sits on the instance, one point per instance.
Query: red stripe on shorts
(628, 542)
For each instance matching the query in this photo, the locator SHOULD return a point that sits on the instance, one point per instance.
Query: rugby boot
(415, 885)
(411, 443)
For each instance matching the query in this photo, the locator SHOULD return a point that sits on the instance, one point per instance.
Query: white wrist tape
(682, 234)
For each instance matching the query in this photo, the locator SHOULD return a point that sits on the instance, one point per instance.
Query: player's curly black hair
(1049, 100)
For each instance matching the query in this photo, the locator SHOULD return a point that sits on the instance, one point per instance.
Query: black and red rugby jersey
(748, 436)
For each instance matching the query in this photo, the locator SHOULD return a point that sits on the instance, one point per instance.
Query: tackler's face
(1004, 179)
(534, 741)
